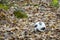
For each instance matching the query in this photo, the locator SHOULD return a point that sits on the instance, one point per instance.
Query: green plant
(20, 14)
(55, 3)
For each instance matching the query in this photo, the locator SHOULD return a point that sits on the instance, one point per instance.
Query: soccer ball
(39, 26)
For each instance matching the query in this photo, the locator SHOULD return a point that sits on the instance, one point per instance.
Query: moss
(20, 14)
(55, 3)
(2, 6)
(36, 5)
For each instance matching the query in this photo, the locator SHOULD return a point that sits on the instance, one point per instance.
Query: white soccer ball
(39, 26)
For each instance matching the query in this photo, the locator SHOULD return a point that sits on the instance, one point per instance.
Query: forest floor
(12, 28)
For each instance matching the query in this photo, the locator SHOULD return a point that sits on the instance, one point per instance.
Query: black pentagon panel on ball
(35, 25)
(43, 28)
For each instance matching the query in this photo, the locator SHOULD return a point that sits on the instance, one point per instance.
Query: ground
(12, 28)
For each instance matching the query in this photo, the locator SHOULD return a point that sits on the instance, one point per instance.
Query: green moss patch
(55, 3)
(2, 6)
(20, 14)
